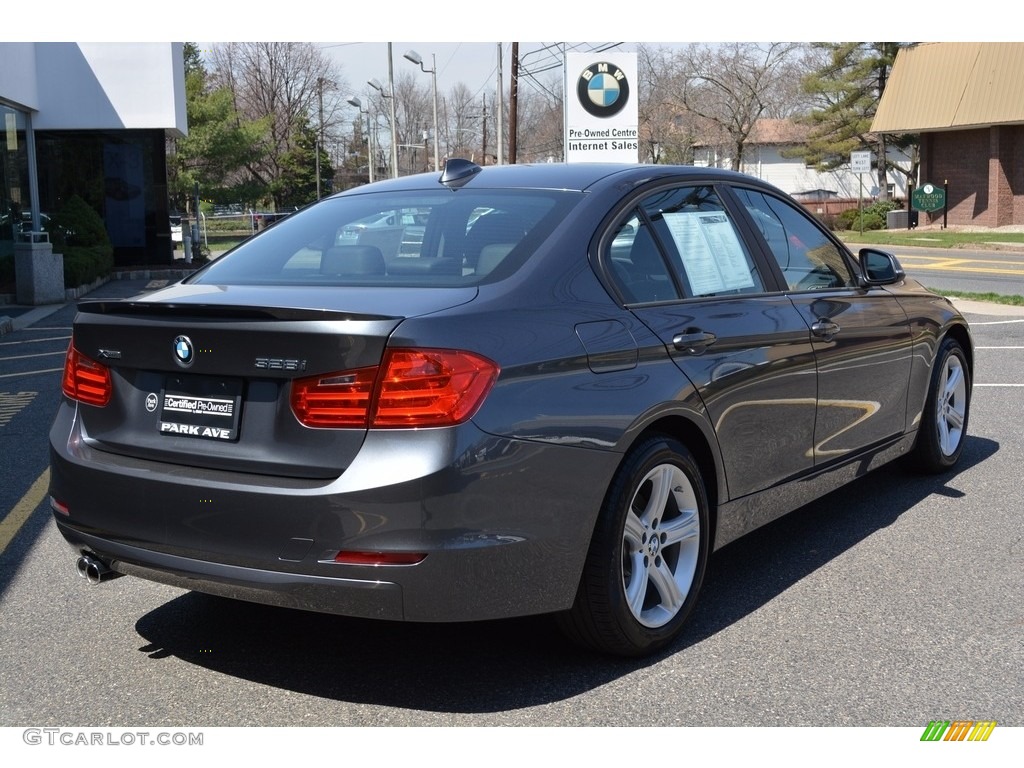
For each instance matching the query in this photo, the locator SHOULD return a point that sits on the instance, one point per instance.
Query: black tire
(647, 557)
(943, 429)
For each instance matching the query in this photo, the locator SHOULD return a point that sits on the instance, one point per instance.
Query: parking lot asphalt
(894, 602)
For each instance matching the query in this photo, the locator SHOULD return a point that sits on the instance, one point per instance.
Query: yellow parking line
(925, 257)
(11, 524)
(962, 265)
(936, 263)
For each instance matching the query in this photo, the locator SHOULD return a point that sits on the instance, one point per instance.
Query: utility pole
(320, 131)
(394, 125)
(500, 113)
(483, 160)
(513, 105)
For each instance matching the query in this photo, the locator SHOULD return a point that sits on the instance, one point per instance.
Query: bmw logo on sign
(602, 89)
(184, 354)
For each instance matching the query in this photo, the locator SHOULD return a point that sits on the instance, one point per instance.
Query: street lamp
(371, 158)
(415, 58)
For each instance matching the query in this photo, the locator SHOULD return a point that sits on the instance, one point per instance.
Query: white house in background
(764, 159)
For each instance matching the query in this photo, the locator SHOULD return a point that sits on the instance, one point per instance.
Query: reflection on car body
(559, 394)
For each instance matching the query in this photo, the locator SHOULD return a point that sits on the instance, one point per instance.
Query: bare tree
(667, 132)
(413, 117)
(461, 132)
(292, 87)
(541, 118)
(731, 85)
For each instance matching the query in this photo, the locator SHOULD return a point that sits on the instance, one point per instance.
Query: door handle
(693, 340)
(825, 329)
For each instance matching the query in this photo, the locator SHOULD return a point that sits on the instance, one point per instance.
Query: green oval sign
(928, 197)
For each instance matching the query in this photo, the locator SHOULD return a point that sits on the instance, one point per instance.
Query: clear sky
(477, 21)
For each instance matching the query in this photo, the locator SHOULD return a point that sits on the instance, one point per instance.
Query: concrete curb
(969, 307)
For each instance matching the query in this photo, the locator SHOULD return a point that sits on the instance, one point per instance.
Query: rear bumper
(504, 524)
(369, 599)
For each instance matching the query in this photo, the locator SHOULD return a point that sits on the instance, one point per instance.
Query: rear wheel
(940, 438)
(648, 554)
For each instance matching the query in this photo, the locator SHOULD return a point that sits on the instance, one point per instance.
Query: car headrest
(352, 260)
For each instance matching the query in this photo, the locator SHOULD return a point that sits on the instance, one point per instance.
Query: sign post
(860, 163)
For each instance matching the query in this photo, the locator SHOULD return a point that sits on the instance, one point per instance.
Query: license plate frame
(204, 407)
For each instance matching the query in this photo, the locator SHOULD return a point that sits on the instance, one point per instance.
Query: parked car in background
(22, 222)
(576, 384)
(404, 226)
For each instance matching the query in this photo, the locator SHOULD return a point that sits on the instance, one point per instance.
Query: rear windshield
(441, 238)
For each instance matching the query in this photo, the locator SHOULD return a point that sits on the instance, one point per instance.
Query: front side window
(809, 260)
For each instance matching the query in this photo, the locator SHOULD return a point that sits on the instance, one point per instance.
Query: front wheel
(647, 556)
(940, 437)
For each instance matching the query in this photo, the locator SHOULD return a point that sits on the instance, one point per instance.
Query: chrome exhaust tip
(94, 570)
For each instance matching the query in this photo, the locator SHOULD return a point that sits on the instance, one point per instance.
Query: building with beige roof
(966, 100)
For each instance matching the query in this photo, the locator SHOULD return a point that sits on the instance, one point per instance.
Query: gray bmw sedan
(498, 391)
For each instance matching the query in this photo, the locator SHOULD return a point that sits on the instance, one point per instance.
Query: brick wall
(985, 171)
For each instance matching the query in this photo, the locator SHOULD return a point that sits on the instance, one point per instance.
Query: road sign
(860, 162)
(928, 197)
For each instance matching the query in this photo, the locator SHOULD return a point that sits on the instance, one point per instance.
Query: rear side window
(681, 243)
(409, 238)
(809, 260)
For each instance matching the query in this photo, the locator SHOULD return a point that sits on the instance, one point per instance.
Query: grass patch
(224, 242)
(993, 298)
(931, 238)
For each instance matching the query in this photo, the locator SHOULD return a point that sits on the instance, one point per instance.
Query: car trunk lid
(201, 375)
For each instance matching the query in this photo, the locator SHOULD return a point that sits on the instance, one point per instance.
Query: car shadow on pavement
(506, 665)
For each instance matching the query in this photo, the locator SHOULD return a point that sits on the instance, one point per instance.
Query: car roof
(563, 176)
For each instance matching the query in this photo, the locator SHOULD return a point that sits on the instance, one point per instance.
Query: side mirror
(879, 268)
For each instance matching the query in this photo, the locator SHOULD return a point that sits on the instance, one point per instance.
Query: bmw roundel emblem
(602, 89)
(184, 353)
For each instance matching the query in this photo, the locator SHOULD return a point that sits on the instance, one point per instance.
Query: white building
(763, 157)
(90, 119)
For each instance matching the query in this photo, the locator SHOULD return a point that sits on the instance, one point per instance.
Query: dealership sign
(601, 111)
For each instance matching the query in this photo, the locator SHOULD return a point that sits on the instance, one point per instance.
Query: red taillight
(430, 387)
(334, 400)
(412, 388)
(85, 380)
